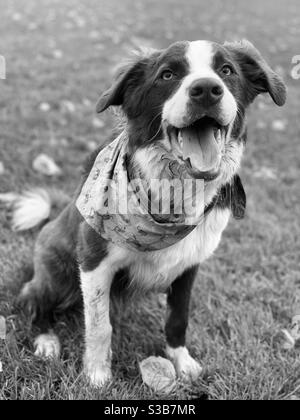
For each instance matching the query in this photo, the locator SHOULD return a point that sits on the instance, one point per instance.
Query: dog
(187, 104)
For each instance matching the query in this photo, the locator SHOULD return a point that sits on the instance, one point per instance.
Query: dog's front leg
(98, 267)
(96, 286)
(177, 322)
(99, 262)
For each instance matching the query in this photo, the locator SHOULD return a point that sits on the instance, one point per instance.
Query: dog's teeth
(169, 144)
(180, 138)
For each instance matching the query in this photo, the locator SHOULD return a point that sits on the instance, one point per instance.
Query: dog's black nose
(206, 92)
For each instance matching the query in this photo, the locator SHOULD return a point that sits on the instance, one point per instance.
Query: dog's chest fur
(158, 270)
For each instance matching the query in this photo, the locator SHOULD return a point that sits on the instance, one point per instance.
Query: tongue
(200, 147)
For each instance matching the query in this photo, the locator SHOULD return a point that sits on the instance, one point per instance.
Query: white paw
(47, 346)
(186, 367)
(98, 376)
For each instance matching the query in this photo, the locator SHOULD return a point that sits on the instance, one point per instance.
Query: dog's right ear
(128, 76)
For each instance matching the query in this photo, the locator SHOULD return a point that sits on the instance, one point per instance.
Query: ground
(60, 56)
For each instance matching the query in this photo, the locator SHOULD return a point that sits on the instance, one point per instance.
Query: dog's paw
(186, 367)
(98, 376)
(47, 346)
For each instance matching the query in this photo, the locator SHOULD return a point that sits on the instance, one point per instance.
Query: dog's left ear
(238, 198)
(259, 75)
(232, 196)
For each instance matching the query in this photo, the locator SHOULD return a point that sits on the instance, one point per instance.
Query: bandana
(122, 214)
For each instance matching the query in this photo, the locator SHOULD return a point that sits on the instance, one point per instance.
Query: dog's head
(191, 99)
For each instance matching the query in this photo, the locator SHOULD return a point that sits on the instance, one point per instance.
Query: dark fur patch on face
(236, 83)
(147, 92)
(258, 75)
(251, 76)
(142, 91)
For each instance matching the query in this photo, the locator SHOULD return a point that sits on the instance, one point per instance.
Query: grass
(66, 51)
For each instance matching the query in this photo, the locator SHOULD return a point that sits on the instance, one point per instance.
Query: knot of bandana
(130, 213)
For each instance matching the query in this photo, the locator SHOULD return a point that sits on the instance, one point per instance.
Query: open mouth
(200, 146)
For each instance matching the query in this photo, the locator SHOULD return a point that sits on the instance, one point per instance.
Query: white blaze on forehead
(200, 57)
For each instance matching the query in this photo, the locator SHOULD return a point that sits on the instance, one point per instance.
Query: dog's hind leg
(53, 289)
(55, 284)
(177, 322)
(41, 298)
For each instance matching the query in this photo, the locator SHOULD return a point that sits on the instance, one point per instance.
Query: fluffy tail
(34, 207)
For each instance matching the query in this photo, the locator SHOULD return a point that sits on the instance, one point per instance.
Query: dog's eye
(167, 75)
(227, 70)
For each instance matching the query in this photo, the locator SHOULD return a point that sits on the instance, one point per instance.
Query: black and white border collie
(189, 87)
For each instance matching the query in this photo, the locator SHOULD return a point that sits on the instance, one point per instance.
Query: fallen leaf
(279, 125)
(32, 26)
(91, 146)
(46, 166)
(58, 54)
(87, 102)
(262, 105)
(45, 107)
(261, 125)
(266, 173)
(97, 123)
(159, 374)
(94, 35)
(17, 17)
(68, 106)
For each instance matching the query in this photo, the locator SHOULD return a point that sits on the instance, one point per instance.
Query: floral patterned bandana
(122, 214)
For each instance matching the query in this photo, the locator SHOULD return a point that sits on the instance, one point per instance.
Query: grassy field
(60, 55)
